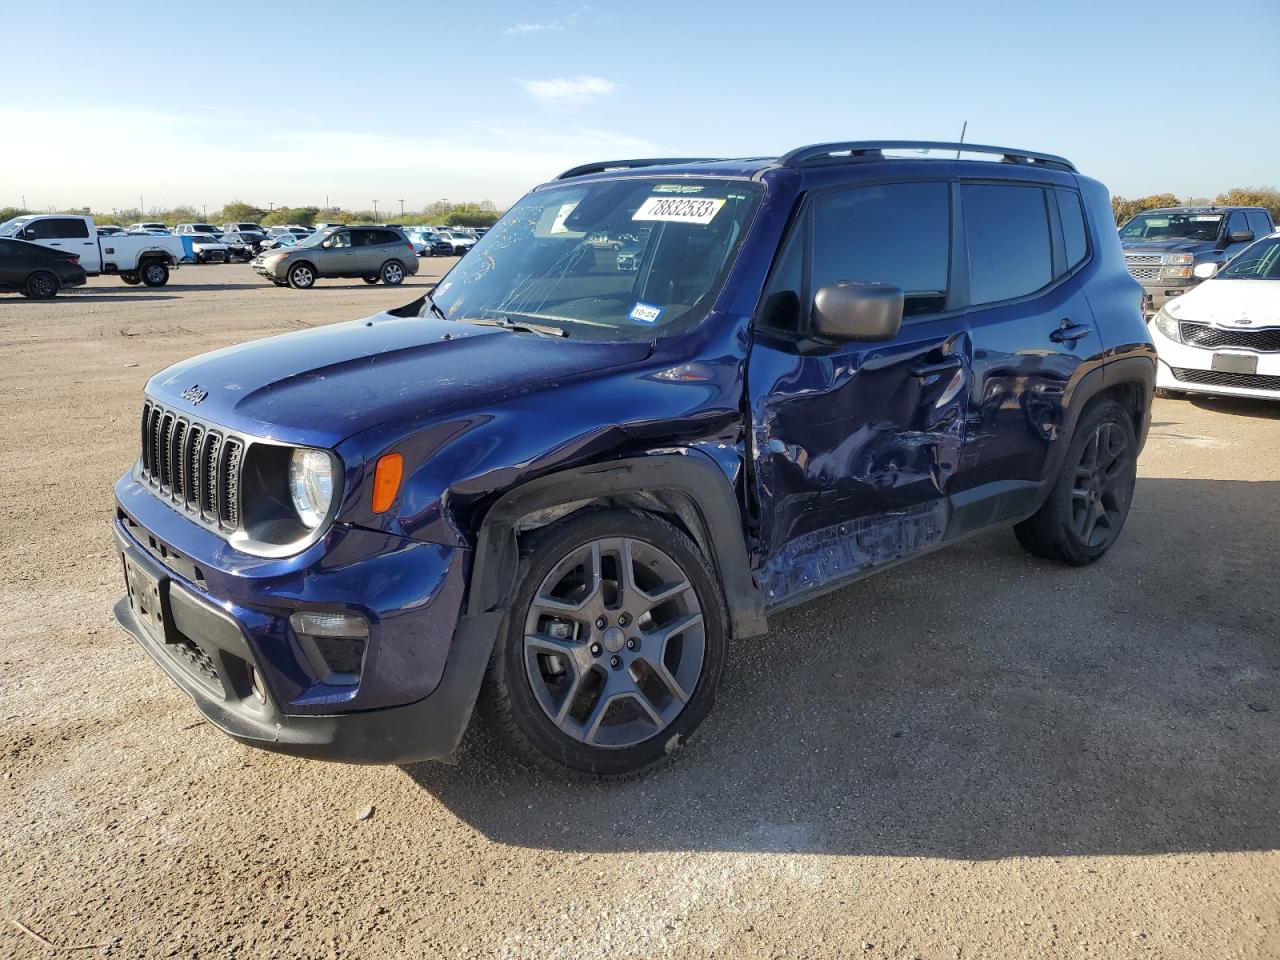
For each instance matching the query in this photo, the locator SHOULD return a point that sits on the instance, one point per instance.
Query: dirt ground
(976, 755)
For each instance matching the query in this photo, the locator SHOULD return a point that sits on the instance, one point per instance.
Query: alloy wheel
(614, 642)
(1103, 486)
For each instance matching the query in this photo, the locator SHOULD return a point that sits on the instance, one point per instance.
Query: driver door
(856, 445)
(339, 259)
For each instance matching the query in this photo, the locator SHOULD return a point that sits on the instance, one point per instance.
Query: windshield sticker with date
(644, 313)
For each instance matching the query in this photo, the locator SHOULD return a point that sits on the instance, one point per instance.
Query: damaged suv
(560, 489)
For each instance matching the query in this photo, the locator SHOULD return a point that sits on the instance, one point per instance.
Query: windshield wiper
(518, 326)
(434, 309)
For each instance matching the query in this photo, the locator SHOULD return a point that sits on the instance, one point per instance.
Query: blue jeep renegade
(660, 400)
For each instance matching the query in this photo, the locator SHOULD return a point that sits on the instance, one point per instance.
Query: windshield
(315, 239)
(1258, 262)
(541, 263)
(1172, 226)
(10, 228)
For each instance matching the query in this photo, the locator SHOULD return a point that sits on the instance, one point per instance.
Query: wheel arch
(1130, 381)
(687, 489)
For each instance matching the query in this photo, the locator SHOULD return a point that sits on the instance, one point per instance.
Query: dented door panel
(855, 452)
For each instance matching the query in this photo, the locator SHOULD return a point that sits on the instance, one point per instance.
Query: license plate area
(144, 597)
(1235, 362)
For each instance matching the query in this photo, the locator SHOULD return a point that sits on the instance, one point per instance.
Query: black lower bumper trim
(427, 729)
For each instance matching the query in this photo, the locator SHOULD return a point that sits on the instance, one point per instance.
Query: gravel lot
(977, 755)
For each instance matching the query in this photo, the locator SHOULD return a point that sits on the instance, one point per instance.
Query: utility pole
(270, 206)
(402, 209)
(375, 211)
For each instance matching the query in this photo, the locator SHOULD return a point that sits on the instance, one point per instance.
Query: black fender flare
(1139, 370)
(690, 474)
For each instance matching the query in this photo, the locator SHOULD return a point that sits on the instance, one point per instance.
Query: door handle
(925, 370)
(1070, 332)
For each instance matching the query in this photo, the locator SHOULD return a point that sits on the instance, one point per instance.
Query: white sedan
(1223, 337)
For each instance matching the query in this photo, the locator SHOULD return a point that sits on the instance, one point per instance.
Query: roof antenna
(962, 133)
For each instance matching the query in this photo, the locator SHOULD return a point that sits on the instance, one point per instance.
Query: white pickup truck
(135, 258)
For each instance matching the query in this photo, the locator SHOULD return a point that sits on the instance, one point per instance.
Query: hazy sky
(290, 103)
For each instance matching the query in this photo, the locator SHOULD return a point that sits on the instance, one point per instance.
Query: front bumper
(1156, 293)
(273, 271)
(226, 623)
(1184, 368)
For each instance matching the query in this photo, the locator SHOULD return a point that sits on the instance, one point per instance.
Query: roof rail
(874, 150)
(605, 165)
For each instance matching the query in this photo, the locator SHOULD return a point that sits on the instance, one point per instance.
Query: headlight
(1180, 258)
(311, 485)
(1176, 273)
(1167, 325)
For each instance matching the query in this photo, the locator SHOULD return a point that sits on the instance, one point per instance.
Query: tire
(369, 280)
(392, 273)
(154, 273)
(610, 713)
(41, 285)
(132, 279)
(302, 276)
(1098, 473)
(1164, 394)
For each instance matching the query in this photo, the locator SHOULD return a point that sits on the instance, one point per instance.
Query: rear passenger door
(855, 446)
(68, 234)
(1024, 246)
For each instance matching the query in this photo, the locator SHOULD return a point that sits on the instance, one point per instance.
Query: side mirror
(1204, 271)
(1240, 236)
(852, 310)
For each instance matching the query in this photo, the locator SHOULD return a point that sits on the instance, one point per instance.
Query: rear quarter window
(1074, 237)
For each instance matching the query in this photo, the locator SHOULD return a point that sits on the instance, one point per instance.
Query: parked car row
(1211, 291)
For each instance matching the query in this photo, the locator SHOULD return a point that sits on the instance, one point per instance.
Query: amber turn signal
(386, 481)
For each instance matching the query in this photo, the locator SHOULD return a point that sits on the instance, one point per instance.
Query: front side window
(1006, 231)
(898, 234)
(1261, 261)
(1237, 223)
(672, 241)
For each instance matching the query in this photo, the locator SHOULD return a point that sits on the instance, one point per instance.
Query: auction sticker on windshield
(645, 313)
(700, 210)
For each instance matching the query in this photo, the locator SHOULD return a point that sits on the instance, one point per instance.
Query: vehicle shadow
(1239, 406)
(977, 704)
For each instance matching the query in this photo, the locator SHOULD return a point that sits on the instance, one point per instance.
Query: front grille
(190, 654)
(1218, 378)
(193, 465)
(1143, 259)
(1145, 273)
(1203, 335)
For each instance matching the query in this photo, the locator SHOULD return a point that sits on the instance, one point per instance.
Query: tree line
(468, 214)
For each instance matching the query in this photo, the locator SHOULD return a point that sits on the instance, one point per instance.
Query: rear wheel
(302, 276)
(41, 285)
(613, 647)
(1088, 505)
(392, 273)
(154, 273)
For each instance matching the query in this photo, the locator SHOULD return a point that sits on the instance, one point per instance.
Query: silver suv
(371, 253)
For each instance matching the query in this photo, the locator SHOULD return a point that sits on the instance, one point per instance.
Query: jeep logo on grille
(194, 394)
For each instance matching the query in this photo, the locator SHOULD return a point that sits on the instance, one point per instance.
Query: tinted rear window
(1006, 230)
(1071, 213)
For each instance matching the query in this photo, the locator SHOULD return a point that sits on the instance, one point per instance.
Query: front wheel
(41, 285)
(155, 273)
(613, 648)
(1087, 507)
(370, 280)
(302, 276)
(392, 273)
(132, 279)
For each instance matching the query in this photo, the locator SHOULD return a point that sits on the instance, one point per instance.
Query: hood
(1245, 303)
(1167, 246)
(317, 387)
